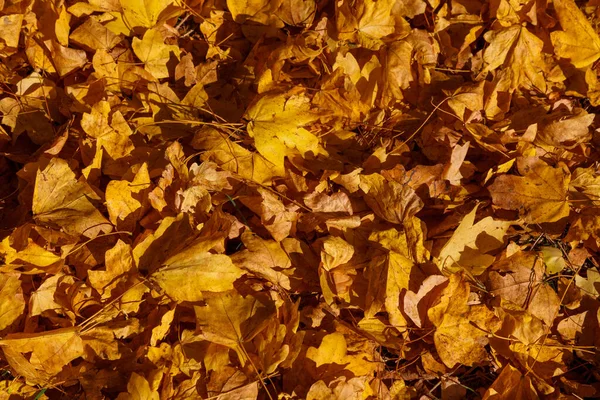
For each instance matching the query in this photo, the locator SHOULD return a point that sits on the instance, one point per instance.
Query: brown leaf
(540, 195)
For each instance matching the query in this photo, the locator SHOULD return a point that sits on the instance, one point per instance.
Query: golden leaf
(186, 275)
(461, 330)
(92, 35)
(578, 40)
(276, 124)
(144, 13)
(520, 52)
(154, 53)
(230, 319)
(138, 388)
(12, 303)
(123, 198)
(50, 351)
(470, 243)
(61, 200)
(118, 261)
(539, 196)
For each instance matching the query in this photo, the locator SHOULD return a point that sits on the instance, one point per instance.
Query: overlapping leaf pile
(294, 199)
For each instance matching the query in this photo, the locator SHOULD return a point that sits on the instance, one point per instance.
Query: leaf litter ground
(210, 199)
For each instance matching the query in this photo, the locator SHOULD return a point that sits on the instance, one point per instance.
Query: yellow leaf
(38, 56)
(590, 285)
(144, 13)
(539, 196)
(93, 171)
(43, 298)
(65, 59)
(510, 385)
(368, 22)
(264, 258)
(159, 332)
(461, 330)
(106, 67)
(232, 157)
(578, 40)
(50, 351)
(186, 275)
(336, 251)
(553, 258)
(118, 262)
(153, 250)
(12, 303)
(276, 124)
(154, 53)
(96, 124)
(390, 200)
(61, 200)
(138, 388)
(11, 29)
(520, 52)
(32, 255)
(92, 35)
(230, 319)
(389, 275)
(124, 208)
(332, 355)
(61, 27)
(257, 11)
(470, 243)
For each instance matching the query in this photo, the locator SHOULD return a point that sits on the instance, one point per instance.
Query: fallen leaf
(50, 351)
(60, 200)
(461, 330)
(138, 388)
(125, 200)
(540, 195)
(154, 53)
(276, 124)
(12, 303)
(230, 319)
(470, 244)
(578, 41)
(186, 275)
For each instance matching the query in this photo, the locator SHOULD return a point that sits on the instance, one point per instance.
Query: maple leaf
(138, 388)
(144, 13)
(154, 53)
(92, 35)
(332, 353)
(186, 275)
(470, 243)
(122, 202)
(61, 200)
(33, 256)
(511, 384)
(230, 319)
(390, 200)
(539, 196)
(50, 351)
(519, 279)
(520, 51)
(12, 302)
(461, 330)
(368, 22)
(578, 41)
(264, 258)
(118, 261)
(233, 157)
(276, 123)
(196, 197)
